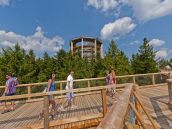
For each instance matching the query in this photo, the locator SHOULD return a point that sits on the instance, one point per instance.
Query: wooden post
(46, 112)
(134, 79)
(137, 104)
(146, 112)
(103, 92)
(170, 92)
(138, 116)
(88, 83)
(153, 79)
(61, 87)
(29, 90)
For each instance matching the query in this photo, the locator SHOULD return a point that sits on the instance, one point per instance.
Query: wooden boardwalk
(26, 115)
(155, 99)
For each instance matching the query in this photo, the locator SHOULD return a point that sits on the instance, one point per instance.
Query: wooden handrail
(116, 115)
(88, 79)
(23, 96)
(147, 114)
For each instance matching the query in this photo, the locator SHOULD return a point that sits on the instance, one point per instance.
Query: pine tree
(116, 59)
(144, 60)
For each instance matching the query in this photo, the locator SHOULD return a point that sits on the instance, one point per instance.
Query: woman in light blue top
(50, 88)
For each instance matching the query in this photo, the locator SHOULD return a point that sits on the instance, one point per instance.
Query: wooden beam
(128, 125)
(146, 112)
(153, 79)
(98, 88)
(66, 121)
(100, 78)
(134, 79)
(104, 106)
(29, 90)
(138, 116)
(46, 112)
(114, 118)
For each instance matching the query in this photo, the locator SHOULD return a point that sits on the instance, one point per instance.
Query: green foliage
(117, 59)
(29, 69)
(144, 60)
(163, 63)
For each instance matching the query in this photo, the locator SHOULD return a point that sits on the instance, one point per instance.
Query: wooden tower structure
(86, 47)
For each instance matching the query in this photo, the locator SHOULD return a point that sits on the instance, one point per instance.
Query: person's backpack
(12, 86)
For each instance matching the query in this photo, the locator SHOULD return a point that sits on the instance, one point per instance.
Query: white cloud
(117, 28)
(104, 5)
(156, 42)
(161, 53)
(146, 10)
(4, 2)
(38, 41)
(135, 42)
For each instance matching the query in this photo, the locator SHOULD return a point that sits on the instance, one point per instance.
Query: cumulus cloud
(103, 5)
(156, 42)
(144, 10)
(117, 28)
(38, 41)
(4, 2)
(161, 53)
(149, 9)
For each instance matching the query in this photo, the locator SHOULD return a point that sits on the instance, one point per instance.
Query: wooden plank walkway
(155, 99)
(27, 114)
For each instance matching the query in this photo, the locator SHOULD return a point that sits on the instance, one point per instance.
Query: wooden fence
(124, 106)
(81, 91)
(139, 79)
(127, 113)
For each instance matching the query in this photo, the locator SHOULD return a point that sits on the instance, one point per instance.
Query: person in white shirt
(69, 87)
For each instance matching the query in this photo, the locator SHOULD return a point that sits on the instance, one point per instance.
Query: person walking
(50, 88)
(10, 90)
(69, 87)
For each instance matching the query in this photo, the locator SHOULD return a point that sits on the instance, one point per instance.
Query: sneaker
(61, 108)
(73, 107)
(40, 116)
(5, 111)
(1, 103)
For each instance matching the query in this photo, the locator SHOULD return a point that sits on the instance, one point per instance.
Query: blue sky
(50, 24)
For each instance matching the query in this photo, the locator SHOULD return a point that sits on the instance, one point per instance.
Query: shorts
(9, 94)
(70, 95)
(50, 97)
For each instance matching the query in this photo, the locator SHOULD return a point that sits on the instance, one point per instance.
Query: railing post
(134, 79)
(153, 79)
(61, 87)
(103, 92)
(29, 90)
(46, 112)
(170, 92)
(88, 82)
(137, 104)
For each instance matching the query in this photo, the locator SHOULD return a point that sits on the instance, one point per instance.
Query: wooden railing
(127, 112)
(80, 92)
(89, 82)
(115, 116)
